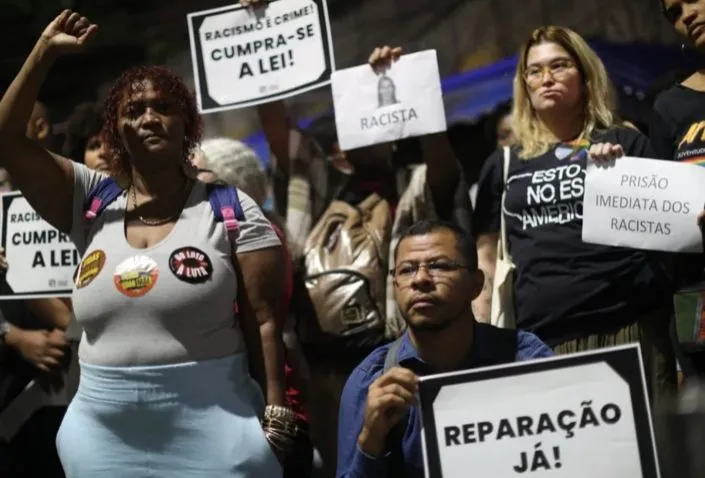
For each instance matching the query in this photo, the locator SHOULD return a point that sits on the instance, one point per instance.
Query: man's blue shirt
(352, 462)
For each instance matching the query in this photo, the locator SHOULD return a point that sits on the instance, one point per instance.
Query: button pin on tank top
(89, 268)
(191, 265)
(135, 276)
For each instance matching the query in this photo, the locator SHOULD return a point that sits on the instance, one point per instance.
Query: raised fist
(68, 33)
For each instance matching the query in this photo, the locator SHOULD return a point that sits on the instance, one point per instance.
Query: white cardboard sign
(41, 260)
(404, 101)
(577, 416)
(243, 57)
(644, 204)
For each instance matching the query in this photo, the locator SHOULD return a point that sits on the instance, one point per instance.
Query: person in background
(5, 184)
(233, 162)
(83, 143)
(39, 126)
(39, 129)
(501, 132)
(33, 346)
(435, 280)
(677, 132)
(575, 296)
(312, 171)
(35, 327)
(504, 126)
(167, 385)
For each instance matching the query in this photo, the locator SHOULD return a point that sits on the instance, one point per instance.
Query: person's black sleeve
(662, 133)
(488, 204)
(634, 143)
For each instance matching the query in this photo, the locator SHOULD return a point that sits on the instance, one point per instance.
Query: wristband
(277, 412)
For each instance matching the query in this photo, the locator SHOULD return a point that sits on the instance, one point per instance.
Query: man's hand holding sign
(388, 400)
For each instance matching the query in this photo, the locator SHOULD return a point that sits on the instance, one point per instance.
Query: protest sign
(644, 204)
(243, 56)
(41, 261)
(401, 102)
(577, 416)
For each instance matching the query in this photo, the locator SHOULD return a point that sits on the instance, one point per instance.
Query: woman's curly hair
(164, 81)
(85, 122)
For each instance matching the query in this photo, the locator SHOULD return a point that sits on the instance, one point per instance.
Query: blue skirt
(197, 419)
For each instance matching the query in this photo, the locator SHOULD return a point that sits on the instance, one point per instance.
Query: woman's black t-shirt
(677, 129)
(677, 132)
(566, 288)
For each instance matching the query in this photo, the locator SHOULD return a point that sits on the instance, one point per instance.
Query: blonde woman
(575, 296)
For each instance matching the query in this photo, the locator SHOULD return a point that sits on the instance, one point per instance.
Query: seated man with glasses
(436, 279)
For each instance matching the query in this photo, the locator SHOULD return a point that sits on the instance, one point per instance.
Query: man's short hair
(465, 242)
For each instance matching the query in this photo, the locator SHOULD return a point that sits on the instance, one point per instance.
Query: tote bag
(502, 313)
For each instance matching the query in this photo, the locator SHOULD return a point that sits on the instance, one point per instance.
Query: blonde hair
(599, 104)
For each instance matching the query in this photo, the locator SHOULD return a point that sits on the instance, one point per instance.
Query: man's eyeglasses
(439, 269)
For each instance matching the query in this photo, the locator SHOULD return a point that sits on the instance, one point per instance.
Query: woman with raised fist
(165, 386)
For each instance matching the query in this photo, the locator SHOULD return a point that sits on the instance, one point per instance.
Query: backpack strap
(227, 209)
(100, 197)
(391, 359)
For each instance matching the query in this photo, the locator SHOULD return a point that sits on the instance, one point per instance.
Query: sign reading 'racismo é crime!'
(243, 56)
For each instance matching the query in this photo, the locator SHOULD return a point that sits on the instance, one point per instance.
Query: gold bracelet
(279, 426)
(279, 412)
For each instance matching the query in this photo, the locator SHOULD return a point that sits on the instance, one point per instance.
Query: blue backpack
(224, 201)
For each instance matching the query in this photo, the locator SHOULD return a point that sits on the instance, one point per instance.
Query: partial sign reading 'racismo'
(41, 260)
(243, 57)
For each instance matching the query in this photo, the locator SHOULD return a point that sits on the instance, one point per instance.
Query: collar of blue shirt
(490, 346)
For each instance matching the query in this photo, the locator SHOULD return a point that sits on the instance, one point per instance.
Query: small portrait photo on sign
(247, 56)
(386, 91)
(580, 416)
(404, 101)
